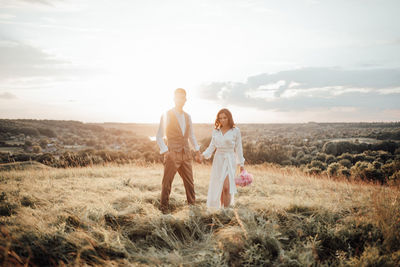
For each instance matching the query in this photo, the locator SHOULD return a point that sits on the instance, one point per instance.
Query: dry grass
(108, 215)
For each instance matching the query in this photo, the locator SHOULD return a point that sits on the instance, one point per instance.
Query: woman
(227, 141)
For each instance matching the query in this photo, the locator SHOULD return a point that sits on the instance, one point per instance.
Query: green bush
(317, 164)
(313, 170)
(395, 177)
(347, 156)
(330, 159)
(366, 171)
(359, 157)
(47, 132)
(344, 172)
(305, 160)
(321, 157)
(377, 164)
(345, 163)
(333, 169)
(36, 149)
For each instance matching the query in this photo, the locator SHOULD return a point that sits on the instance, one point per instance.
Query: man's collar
(177, 111)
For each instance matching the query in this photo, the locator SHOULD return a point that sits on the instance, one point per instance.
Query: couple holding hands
(226, 141)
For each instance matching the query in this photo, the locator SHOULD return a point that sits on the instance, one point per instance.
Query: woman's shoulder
(236, 132)
(236, 129)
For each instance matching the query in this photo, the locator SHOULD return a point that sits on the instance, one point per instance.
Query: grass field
(109, 216)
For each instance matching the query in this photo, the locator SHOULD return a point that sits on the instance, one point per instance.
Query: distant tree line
(333, 149)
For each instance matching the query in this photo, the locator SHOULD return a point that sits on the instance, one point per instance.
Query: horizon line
(120, 122)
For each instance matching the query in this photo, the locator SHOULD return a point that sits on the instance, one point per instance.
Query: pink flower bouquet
(244, 178)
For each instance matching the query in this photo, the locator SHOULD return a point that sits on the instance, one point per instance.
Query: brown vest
(176, 141)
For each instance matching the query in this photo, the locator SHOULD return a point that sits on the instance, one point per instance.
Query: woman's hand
(241, 168)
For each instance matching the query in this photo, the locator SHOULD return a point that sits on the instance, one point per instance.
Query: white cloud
(20, 62)
(7, 95)
(7, 16)
(24, 3)
(387, 91)
(311, 87)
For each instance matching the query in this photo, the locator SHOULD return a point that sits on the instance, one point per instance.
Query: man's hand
(166, 156)
(198, 157)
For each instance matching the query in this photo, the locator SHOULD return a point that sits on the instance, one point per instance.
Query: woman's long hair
(228, 114)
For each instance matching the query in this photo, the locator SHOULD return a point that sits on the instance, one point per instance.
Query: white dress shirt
(182, 123)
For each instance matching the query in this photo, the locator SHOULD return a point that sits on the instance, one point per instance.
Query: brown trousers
(177, 162)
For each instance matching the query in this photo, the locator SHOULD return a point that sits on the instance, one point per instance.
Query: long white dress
(229, 153)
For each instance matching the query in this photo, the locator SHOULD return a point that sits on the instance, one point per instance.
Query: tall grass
(109, 215)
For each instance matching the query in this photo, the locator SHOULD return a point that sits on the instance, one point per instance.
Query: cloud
(305, 88)
(37, 1)
(6, 16)
(7, 95)
(17, 3)
(21, 61)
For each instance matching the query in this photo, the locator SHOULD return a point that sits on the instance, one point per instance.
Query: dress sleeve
(239, 148)
(210, 149)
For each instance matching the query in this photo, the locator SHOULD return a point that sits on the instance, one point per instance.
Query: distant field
(11, 149)
(147, 129)
(355, 140)
(108, 216)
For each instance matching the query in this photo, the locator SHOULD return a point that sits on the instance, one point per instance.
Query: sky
(267, 61)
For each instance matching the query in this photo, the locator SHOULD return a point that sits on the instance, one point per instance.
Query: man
(177, 126)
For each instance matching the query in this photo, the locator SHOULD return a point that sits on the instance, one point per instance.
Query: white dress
(229, 153)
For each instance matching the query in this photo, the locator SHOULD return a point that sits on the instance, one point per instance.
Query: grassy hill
(23, 165)
(108, 216)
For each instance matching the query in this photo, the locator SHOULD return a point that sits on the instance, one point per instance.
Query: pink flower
(244, 178)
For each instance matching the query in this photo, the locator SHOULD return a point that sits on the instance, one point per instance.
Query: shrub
(333, 169)
(23, 157)
(27, 143)
(384, 155)
(313, 170)
(377, 164)
(391, 167)
(301, 154)
(47, 132)
(370, 158)
(321, 157)
(358, 157)
(43, 143)
(286, 162)
(330, 148)
(330, 159)
(346, 156)
(366, 171)
(317, 164)
(395, 177)
(36, 149)
(344, 172)
(305, 160)
(47, 159)
(28, 131)
(345, 163)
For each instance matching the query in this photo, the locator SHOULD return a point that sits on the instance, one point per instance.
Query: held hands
(199, 157)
